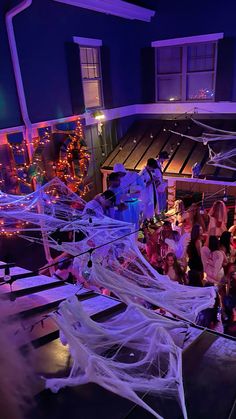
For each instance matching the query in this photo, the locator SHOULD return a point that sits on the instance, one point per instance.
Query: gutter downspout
(17, 71)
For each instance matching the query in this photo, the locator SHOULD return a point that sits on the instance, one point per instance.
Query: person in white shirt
(212, 260)
(161, 188)
(131, 186)
(149, 196)
(218, 219)
(101, 204)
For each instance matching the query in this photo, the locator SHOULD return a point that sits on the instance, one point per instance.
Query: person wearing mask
(195, 274)
(149, 195)
(212, 259)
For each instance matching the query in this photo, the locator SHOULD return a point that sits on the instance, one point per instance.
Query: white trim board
(113, 7)
(87, 42)
(185, 179)
(200, 108)
(188, 40)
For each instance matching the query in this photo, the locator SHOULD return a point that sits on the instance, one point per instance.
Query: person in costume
(131, 186)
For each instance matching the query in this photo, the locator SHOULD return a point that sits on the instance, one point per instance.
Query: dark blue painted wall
(188, 18)
(9, 108)
(44, 30)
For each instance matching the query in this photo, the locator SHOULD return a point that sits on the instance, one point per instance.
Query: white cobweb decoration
(226, 156)
(118, 265)
(130, 354)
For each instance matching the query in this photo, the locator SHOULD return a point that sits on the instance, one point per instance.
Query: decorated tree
(62, 154)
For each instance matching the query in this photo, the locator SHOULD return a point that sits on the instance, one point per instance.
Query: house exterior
(67, 58)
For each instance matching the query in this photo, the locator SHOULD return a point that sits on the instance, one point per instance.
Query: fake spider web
(117, 265)
(54, 211)
(135, 352)
(219, 142)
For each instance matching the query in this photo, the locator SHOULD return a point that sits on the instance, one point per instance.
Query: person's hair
(176, 236)
(177, 268)
(219, 211)
(152, 163)
(195, 233)
(163, 155)
(225, 240)
(194, 212)
(113, 176)
(229, 268)
(109, 195)
(194, 278)
(167, 224)
(213, 243)
(179, 207)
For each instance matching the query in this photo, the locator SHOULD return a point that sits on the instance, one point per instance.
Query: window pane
(94, 71)
(169, 60)
(89, 55)
(200, 86)
(89, 63)
(90, 68)
(92, 94)
(201, 57)
(83, 56)
(95, 55)
(85, 72)
(169, 88)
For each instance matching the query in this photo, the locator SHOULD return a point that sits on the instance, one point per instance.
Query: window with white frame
(91, 76)
(186, 72)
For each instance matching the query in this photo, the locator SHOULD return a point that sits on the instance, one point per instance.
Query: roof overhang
(114, 7)
(211, 37)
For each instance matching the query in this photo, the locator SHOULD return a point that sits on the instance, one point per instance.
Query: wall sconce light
(99, 115)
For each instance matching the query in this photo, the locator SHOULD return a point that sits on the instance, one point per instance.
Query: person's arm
(218, 264)
(212, 227)
(198, 247)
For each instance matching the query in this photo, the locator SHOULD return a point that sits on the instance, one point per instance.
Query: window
(91, 76)
(186, 72)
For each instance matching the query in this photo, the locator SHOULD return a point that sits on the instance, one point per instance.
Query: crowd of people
(192, 246)
(130, 196)
(198, 254)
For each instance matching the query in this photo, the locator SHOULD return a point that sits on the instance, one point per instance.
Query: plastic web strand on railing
(153, 362)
